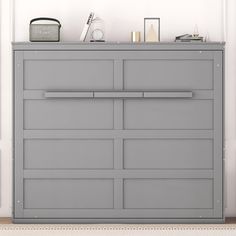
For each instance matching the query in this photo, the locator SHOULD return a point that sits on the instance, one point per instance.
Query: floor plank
(5, 221)
(231, 220)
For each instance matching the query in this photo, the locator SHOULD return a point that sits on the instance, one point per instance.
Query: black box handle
(45, 18)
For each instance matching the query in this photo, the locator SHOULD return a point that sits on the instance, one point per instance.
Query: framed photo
(152, 29)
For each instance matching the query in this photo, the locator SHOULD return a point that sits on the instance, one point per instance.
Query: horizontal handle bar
(117, 94)
(168, 94)
(68, 94)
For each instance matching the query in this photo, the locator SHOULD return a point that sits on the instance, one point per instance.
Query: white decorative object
(195, 32)
(86, 27)
(97, 30)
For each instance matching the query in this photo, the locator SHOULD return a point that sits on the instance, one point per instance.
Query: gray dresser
(122, 133)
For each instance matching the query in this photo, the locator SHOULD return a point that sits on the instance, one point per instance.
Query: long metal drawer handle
(118, 94)
(53, 94)
(187, 94)
(114, 94)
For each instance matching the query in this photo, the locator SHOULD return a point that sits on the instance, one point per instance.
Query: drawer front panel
(168, 74)
(68, 74)
(168, 114)
(68, 193)
(68, 154)
(68, 114)
(168, 154)
(168, 193)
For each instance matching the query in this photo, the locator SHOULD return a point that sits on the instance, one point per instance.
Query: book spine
(86, 27)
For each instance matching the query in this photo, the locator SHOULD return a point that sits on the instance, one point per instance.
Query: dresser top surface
(117, 46)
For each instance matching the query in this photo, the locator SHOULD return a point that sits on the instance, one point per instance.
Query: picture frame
(152, 31)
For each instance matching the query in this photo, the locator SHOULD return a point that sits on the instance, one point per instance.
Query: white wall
(230, 107)
(6, 108)
(122, 17)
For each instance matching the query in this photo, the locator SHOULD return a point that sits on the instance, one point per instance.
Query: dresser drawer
(168, 73)
(68, 154)
(68, 70)
(96, 70)
(168, 114)
(168, 154)
(68, 193)
(68, 114)
(168, 193)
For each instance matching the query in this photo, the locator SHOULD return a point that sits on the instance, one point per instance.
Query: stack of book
(188, 38)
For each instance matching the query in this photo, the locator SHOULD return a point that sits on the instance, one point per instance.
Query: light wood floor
(231, 220)
(5, 220)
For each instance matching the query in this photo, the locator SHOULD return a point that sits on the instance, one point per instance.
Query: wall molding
(224, 21)
(6, 26)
